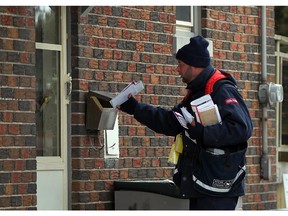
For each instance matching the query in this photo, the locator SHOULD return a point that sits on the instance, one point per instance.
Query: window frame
(184, 24)
(184, 30)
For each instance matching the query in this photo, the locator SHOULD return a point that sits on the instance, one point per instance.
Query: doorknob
(44, 102)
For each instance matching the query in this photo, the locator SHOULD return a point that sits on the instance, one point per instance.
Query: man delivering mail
(211, 167)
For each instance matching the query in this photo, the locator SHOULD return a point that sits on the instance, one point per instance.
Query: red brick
(3, 129)
(137, 162)
(131, 67)
(14, 129)
(145, 15)
(156, 163)
(7, 20)
(145, 36)
(119, 33)
(26, 153)
(93, 64)
(107, 10)
(88, 52)
(102, 66)
(28, 200)
(136, 36)
(118, 77)
(84, 85)
(7, 44)
(7, 117)
(9, 165)
(154, 79)
(112, 43)
(140, 46)
(108, 54)
(102, 43)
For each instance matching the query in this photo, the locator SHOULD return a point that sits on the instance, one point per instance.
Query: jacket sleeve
(158, 119)
(236, 127)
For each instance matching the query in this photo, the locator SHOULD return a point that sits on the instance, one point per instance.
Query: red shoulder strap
(213, 79)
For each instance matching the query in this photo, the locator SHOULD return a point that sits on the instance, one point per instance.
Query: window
(285, 103)
(281, 55)
(282, 108)
(282, 78)
(184, 17)
(184, 26)
(188, 24)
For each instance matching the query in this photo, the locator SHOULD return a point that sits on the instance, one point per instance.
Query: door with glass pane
(284, 108)
(51, 111)
(282, 137)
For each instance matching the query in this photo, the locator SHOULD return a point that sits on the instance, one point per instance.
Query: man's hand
(129, 106)
(196, 131)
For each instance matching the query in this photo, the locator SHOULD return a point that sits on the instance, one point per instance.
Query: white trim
(183, 28)
(283, 148)
(283, 39)
(184, 24)
(49, 163)
(47, 46)
(64, 104)
(281, 54)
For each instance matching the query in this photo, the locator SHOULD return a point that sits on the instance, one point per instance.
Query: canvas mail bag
(218, 174)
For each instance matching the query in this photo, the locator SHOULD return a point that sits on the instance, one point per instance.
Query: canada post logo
(231, 101)
(224, 184)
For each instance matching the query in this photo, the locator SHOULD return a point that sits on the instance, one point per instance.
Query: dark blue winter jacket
(233, 133)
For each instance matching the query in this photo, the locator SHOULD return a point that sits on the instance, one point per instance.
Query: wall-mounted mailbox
(100, 115)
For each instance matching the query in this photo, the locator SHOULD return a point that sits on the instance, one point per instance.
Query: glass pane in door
(48, 106)
(285, 103)
(47, 24)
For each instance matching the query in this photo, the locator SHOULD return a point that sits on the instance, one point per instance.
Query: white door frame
(57, 166)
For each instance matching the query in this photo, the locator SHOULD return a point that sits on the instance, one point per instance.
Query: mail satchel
(219, 171)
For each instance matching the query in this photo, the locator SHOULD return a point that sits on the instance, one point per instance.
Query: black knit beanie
(195, 53)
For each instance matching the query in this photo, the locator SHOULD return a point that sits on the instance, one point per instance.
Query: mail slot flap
(100, 115)
(103, 97)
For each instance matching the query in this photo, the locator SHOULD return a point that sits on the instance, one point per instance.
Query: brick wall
(110, 47)
(118, 45)
(17, 108)
(236, 33)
